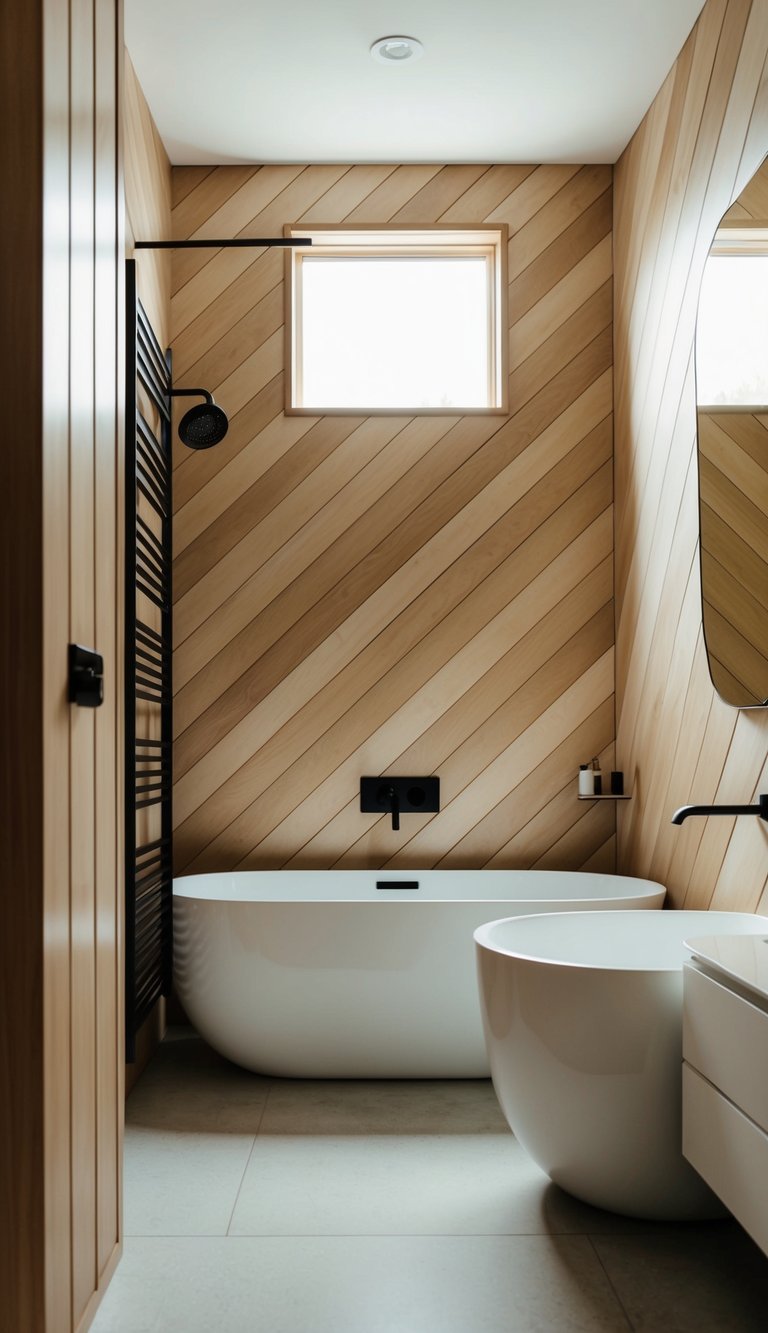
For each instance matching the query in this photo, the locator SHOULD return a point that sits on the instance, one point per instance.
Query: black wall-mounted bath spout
(390, 795)
(397, 796)
(761, 810)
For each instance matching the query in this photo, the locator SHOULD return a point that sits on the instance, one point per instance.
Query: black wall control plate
(415, 795)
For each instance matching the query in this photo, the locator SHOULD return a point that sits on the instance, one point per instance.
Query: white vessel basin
(583, 1023)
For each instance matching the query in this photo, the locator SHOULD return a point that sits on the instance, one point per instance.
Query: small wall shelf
(608, 796)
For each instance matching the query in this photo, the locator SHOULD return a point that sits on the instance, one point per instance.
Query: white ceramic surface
(725, 1074)
(319, 974)
(583, 1018)
(743, 959)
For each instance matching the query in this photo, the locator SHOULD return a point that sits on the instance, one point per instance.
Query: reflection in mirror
(732, 413)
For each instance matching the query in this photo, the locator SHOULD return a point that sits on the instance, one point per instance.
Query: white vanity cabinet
(725, 1073)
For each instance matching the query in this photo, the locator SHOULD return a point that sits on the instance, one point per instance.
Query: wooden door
(60, 876)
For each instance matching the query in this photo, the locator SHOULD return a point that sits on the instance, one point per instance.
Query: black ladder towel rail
(148, 643)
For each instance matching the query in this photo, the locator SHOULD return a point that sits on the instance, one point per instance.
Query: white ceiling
(500, 80)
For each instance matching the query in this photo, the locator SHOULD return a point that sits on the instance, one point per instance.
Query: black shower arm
(235, 243)
(761, 810)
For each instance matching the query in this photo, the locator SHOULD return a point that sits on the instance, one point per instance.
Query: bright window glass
(391, 332)
(732, 331)
(398, 322)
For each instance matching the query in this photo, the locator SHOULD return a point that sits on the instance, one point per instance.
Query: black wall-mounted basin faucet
(761, 810)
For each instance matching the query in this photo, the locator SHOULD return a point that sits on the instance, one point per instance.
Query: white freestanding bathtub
(583, 1022)
(322, 974)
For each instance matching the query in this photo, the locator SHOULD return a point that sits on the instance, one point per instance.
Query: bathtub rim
(188, 888)
(627, 969)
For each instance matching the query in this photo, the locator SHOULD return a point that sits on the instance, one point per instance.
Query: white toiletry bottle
(586, 780)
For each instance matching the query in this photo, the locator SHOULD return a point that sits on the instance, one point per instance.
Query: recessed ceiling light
(396, 50)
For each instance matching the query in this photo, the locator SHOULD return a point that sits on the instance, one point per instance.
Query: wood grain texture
(751, 207)
(700, 143)
(82, 618)
(108, 443)
(733, 495)
(22, 761)
(368, 595)
(147, 202)
(60, 1058)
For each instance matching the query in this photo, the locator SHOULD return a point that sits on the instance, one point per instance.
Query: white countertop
(744, 958)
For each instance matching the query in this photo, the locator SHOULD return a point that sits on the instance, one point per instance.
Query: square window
(401, 321)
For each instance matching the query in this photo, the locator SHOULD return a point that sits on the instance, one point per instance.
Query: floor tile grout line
(248, 1160)
(290, 1247)
(610, 1282)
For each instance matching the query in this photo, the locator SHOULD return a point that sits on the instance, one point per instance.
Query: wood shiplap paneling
(147, 202)
(751, 207)
(701, 141)
(22, 1001)
(383, 594)
(61, 1063)
(733, 493)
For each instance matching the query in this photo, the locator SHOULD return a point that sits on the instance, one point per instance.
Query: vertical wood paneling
(25, 1136)
(371, 595)
(56, 1243)
(54, 1249)
(60, 1057)
(82, 627)
(108, 451)
(701, 141)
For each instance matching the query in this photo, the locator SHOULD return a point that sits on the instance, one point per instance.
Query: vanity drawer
(725, 1037)
(729, 1151)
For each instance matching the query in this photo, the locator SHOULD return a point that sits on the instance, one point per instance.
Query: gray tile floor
(257, 1205)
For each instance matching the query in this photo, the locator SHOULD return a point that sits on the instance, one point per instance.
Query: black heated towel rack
(148, 697)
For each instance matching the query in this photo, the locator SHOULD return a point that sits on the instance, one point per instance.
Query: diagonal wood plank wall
(750, 209)
(702, 140)
(733, 468)
(395, 594)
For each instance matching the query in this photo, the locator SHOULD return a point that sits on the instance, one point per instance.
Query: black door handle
(86, 677)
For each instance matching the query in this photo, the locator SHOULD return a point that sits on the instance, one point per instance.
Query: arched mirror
(732, 418)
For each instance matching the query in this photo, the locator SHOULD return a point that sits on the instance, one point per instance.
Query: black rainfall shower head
(203, 425)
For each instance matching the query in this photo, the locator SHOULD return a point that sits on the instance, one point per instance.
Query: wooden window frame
(437, 240)
(736, 240)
